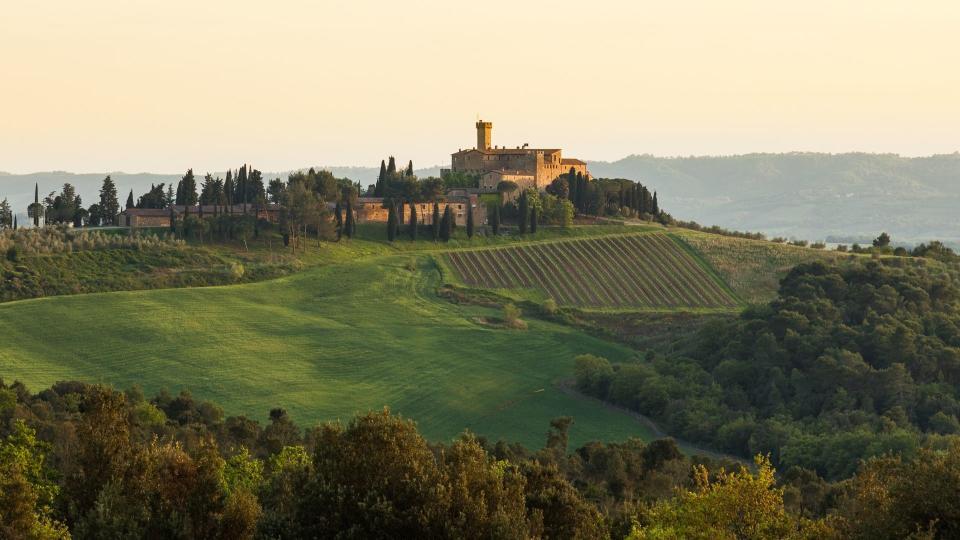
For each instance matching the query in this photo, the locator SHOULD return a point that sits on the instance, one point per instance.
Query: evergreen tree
(581, 203)
(173, 220)
(391, 223)
(469, 219)
(171, 198)
(36, 204)
(381, 180)
(14, 222)
(109, 205)
(523, 213)
(338, 217)
(391, 168)
(410, 168)
(655, 208)
(495, 221)
(187, 189)
(446, 227)
(572, 181)
(130, 200)
(435, 223)
(6, 215)
(533, 221)
(413, 222)
(351, 225)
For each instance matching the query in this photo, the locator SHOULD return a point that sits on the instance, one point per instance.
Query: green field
(646, 270)
(324, 344)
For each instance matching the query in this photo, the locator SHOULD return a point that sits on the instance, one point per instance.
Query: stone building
(371, 209)
(528, 167)
(160, 217)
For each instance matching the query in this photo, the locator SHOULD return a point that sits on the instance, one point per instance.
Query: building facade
(528, 167)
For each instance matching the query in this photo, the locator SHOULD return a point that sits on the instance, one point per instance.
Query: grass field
(324, 343)
(646, 270)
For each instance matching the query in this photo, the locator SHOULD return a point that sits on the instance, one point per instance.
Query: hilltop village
(484, 169)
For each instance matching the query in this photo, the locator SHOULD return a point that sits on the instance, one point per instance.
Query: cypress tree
(533, 221)
(522, 214)
(469, 219)
(655, 208)
(581, 193)
(130, 200)
(36, 204)
(381, 179)
(413, 222)
(410, 168)
(495, 222)
(446, 227)
(391, 167)
(351, 223)
(173, 220)
(14, 222)
(435, 224)
(391, 223)
(398, 211)
(338, 216)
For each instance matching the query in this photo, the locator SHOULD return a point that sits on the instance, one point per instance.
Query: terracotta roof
(571, 161)
(519, 151)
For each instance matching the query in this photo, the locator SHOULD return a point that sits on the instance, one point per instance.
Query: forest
(86, 461)
(850, 361)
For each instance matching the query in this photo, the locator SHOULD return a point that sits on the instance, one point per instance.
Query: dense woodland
(90, 462)
(848, 362)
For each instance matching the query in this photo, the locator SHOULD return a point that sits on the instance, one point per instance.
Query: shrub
(12, 254)
(511, 317)
(550, 306)
(236, 271)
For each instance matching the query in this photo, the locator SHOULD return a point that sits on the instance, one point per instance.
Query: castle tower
(483, 135)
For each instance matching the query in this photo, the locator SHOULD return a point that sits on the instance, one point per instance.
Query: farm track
(646, 270)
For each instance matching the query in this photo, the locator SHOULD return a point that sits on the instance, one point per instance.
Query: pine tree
(495, 222)
(351, 225)
(391, 223)
(469, 219)
(533, 221)
(109, 206)
(410, 168)
(130, 200)
(435, 224)
(413, 222)
(522, 213)
(446, 225)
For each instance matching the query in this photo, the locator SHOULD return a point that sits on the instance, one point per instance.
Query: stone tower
(483, 135)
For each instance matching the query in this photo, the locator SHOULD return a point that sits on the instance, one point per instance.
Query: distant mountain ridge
(802, 195)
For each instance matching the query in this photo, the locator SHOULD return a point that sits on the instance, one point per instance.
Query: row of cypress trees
(441, 227)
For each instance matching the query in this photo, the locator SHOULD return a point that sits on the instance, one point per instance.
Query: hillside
(646, 270)
(324, 343)
(807, 195)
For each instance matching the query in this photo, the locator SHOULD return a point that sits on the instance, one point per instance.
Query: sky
(163, 85)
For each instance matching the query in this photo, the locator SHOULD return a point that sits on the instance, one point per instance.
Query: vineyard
(632, 271)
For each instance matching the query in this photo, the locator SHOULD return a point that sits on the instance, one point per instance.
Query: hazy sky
(138, 85)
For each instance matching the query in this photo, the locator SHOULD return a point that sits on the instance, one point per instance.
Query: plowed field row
(644, 271)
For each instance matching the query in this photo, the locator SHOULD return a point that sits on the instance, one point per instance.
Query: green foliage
(847, 363)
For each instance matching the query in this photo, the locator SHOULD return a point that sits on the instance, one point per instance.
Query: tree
(351, 228)
(523, 213)
(560, 188)
(495, 220)
(391, 168)
(6, 215)
(109, 205)
(34, 210)
(338, 218)
(409, 171)
(95, 215)
(391, 223)
(446, 227)
(130, 200)
(881, 241)
(533, 221)
(275, 190)
(435, 223)
(412, 230)
(655, 208)
(187, 190)
(469, 219)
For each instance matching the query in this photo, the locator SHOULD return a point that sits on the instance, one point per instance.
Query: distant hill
(803, 195)
(807, 195)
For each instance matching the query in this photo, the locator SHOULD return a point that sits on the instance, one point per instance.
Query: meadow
(324, 343)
